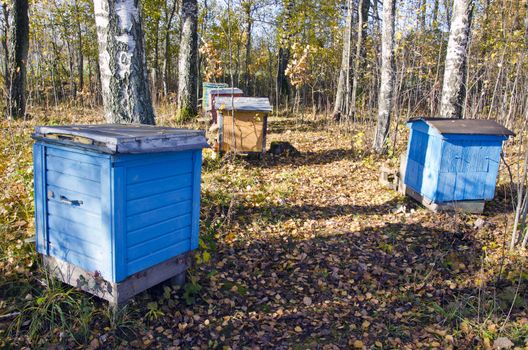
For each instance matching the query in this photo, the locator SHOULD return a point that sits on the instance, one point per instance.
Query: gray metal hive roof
(465, 126)
(224, 91)
(123, 138)
(257, 104)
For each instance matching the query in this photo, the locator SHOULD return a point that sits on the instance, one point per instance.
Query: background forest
(289, 51)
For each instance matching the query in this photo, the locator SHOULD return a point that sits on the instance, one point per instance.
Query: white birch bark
(454, 86)
(343, 83)
(385, 99)
(187, 64)
(124, 82)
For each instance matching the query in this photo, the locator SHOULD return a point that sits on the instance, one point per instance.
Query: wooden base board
(474, 207)
(119, 293)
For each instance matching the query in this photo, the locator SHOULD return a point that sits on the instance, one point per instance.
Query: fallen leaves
(309, 251)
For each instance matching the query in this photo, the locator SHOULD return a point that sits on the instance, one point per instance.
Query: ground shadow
(503, 202)
(304, 159)
(277, 213)
(295, 124)
(289, 291)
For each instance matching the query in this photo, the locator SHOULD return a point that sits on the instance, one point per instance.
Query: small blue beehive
(117, 206)
(453, 162)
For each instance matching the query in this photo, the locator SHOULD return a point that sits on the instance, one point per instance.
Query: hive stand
(117, 294)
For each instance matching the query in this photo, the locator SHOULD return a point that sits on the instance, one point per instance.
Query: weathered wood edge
(473, 207)
(264, 133)
(117, 293)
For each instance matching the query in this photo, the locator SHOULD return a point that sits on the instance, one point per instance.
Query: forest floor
(296, 252)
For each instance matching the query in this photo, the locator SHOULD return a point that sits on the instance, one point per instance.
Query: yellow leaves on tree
(213, 65)
(298, 69)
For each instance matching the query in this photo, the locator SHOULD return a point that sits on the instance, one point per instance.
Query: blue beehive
(453, 160)
(117, 206)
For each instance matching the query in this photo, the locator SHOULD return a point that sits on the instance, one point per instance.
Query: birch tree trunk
(385, 99)
(188, 72)
(359, 62)
(18, 54)
(249, 22)
(343, 82)
(454, 87)
(122, 62)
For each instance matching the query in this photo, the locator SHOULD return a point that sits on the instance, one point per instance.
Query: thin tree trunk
(455, 73)
(385, 100)
(434, 22)
(359, 63)
(19, 47)
(155, 70)
(187, 97)
(283, 87)
(247, 82)
(423, 13)
(166, 64)
(5, 45)
(343, 82)
(80, 62)
(125, 88)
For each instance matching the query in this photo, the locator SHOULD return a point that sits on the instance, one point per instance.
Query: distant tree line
(357, 60)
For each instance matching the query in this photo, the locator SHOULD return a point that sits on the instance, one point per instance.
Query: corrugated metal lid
(465, 126)
(224, 91)
(259, 104)
(123, 138)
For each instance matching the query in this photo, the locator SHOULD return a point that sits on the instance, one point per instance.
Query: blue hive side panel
(423, 160)
(158, 208)
(41, 211)
(70, 208)
(469, 168)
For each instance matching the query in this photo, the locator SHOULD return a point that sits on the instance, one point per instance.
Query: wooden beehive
(116, 206)
(206, 87)
(453, 163)
(242, 124)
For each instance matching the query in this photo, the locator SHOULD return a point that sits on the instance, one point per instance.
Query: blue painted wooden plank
(81, 230)
(159, 215)
(119, 214)
(195, 226)
(71, 242)
(157, 243)
(463, 137)
(451, 158)
(158, 201)
(85, 202)
(39, 174)
(76, 154)
(157, 171)
(107, 223)
(75, 214)
(158, 257)
(469, 186)
(87, 187)
(74, 167)
(131, 160)
(154, 187)
(143, 234)
(82, 261)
